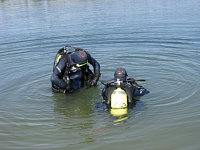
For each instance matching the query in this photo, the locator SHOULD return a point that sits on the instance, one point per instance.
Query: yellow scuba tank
(119, 112)
(119, 102)
(118, 98)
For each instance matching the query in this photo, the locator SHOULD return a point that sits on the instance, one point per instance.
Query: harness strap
(67, 71)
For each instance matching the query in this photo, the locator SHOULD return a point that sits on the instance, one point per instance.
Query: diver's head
(120, 74)
(80, 58)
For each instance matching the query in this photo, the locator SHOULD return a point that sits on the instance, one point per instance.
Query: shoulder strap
(67, 59)
(68, 65)
(67, 70)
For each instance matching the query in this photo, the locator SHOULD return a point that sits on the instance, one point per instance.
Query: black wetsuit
(77, 75)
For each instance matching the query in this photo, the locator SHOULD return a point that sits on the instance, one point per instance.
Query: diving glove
(94, 81)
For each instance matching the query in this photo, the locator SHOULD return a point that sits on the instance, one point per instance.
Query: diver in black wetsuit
(72, 71)
(131, 88)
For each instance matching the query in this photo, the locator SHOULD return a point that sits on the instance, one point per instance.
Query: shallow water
(154, 40)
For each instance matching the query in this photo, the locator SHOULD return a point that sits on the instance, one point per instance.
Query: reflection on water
(121, 115)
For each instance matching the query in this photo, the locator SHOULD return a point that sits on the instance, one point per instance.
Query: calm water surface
(154, 40)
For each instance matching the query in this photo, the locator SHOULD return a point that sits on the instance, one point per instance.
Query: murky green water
(154, 40)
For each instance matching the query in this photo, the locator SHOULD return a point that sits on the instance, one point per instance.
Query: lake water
(155, 40)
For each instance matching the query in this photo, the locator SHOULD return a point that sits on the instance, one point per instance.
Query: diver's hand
(140, 92)
(94, 81)
(144, 91)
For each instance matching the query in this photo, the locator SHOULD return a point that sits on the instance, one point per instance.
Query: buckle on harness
(68, 65)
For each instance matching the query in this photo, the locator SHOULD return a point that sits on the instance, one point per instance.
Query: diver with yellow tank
(120, 93)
